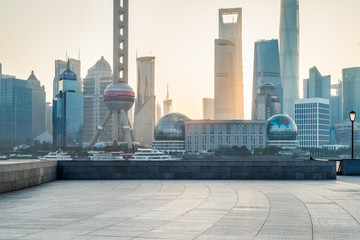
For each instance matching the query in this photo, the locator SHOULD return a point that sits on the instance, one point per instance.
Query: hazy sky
(179, 33)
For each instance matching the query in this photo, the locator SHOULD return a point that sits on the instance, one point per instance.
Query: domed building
(282, 132)
(97, 79)
(169, 133)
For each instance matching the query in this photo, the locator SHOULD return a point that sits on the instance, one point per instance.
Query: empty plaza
(183, 209)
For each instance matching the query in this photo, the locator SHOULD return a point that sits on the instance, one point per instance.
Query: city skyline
(325, 41)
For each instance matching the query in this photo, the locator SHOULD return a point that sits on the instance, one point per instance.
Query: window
(261, 129)
(245, 130)
(212, 142)
(203, 143)
(245, 142)
(237, 129)
(220, 140)
(253, 129)
(228, 129)
(227, 140)
(203, 129)
(219, 129)
(237, 140)
(212, 129)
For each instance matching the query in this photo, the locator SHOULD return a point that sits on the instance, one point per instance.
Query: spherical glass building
(281, 127)
(171, 127)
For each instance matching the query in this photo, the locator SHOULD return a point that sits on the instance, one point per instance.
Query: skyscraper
(167, 104)
(48, 118)
(68, 112)
(60, 67)
(208, 108)
(267, 103)
(144, 115)
(97, 79)
(266, 70)
(15, 111)
(351, 90)
(228, 87)
(289, 54)
(317, 86)
(336, 108)
(38, 105)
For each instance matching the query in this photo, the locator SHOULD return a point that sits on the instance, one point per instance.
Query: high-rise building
(312, 117)
(68, 112)
(317, 86)
(158, 112)
(144, 115)
(97, 79)
(289, 54)
(266, 70)
(351, 90)
(60, 67)
(38, 105)
(48, 118)
(336, 109)
(15, 111)
(228, 87)
(267, 103)
(167, 104)
(208, 108)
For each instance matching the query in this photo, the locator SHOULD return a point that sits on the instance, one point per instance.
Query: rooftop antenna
(79, 54)
(66, 55)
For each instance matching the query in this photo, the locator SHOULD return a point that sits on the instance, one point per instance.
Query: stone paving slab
(186, 209)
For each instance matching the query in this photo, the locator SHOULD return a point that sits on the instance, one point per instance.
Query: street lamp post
(352, 119)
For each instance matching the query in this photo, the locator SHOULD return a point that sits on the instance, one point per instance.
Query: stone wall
(299, 170)
(23, 174)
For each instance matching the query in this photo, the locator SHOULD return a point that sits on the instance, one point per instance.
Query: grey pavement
(161, 209)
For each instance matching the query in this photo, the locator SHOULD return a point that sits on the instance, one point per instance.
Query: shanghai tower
(289, 54)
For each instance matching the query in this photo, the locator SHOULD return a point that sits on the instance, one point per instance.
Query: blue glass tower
(266, 70)
(317, 86)
(68, 112)
(351, 90)
(15, 111)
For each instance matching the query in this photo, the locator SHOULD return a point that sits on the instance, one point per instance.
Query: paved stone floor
(87, 210)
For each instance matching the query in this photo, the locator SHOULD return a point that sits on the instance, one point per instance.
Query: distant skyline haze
(180, 34)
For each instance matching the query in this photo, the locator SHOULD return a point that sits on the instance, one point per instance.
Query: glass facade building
(15, 111)
(68, 113)
(266, 70)
(317, 86)
(289, 54)
(171, 127)
(351, 90)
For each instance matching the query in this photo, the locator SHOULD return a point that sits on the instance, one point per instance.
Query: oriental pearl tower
(119, 96)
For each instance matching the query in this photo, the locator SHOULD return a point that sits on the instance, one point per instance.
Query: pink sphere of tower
(119, 96)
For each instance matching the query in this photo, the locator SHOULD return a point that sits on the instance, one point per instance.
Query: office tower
(144, 115)
(119, 96)
(317, 86)
(97, 79)
(48, 118)
(167, 104)
(266, 70)
(228, 87)
(267, 103)
(68, 112)
(38, 105)
(336, 103)
(15, 111)
(312, 116)
(158, 112)
(60, 67)
(289, 54)
(351, 92)
(208, 108)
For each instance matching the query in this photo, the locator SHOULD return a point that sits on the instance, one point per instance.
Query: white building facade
(312, 117)
(209, 135)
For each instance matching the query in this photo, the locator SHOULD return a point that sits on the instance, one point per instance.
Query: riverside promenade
(183, 209)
